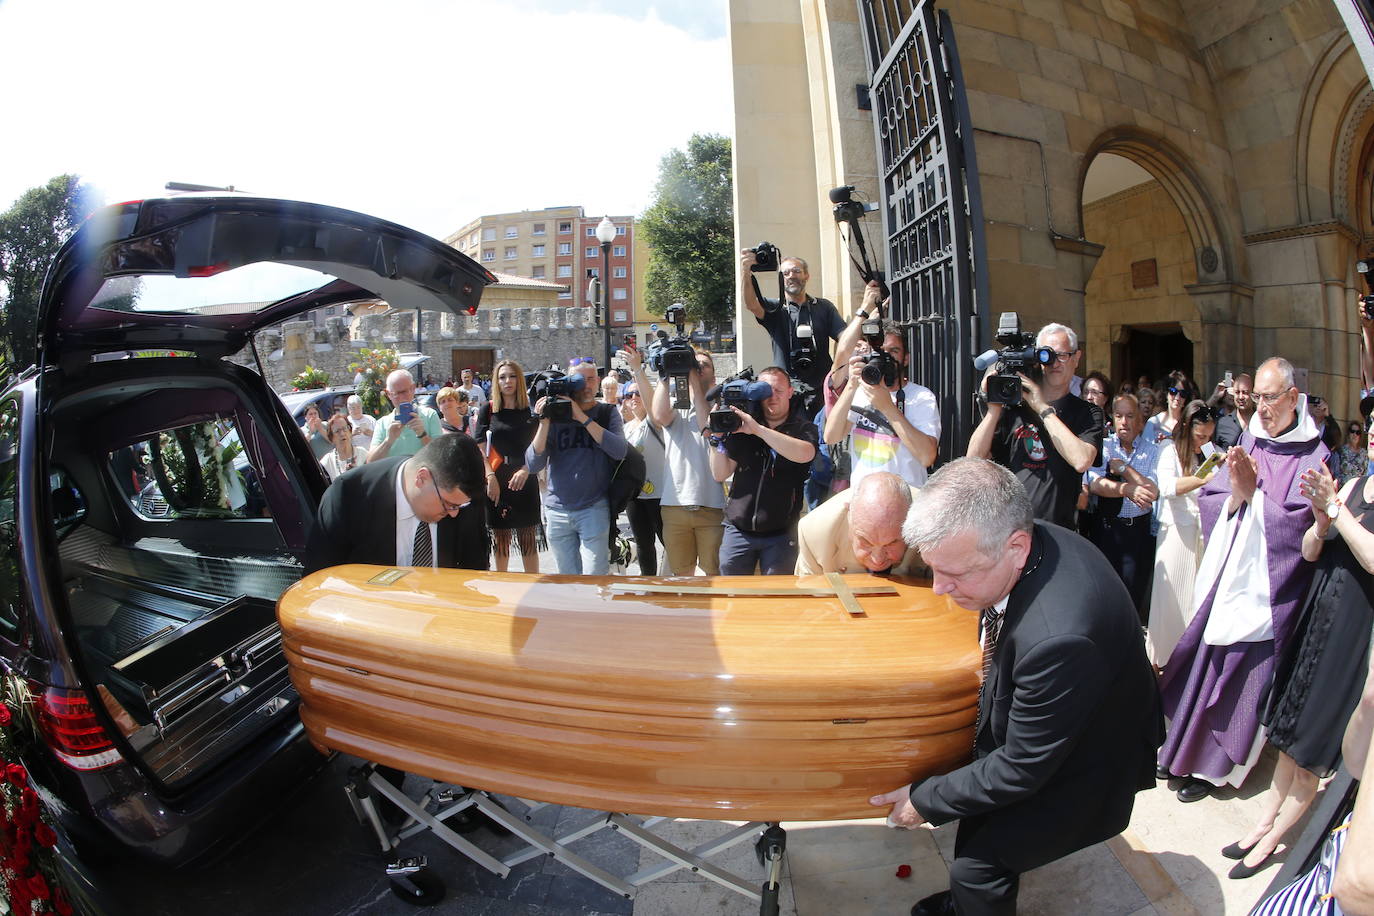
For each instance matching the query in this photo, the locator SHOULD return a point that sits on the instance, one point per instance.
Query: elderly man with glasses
(409, 427)
(1051, 439)
(1253, 578)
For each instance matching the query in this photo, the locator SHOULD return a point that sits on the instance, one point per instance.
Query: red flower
(45, 835)
(38, 887)
(20, 860)
(15, 774)
(6, 717)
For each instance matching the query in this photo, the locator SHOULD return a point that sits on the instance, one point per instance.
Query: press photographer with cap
(1052, 438)
(800, 326)
(770, 460)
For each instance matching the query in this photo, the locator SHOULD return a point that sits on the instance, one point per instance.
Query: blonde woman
(1179, 543)
(505, 429)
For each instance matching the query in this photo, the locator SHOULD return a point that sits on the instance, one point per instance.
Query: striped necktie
(422, 553)
(992, 628)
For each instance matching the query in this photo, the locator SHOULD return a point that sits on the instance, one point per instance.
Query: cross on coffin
(837, 588)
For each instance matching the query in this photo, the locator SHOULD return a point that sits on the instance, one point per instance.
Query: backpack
(628, 476)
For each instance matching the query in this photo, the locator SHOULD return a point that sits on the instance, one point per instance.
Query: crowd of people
(1201, 560)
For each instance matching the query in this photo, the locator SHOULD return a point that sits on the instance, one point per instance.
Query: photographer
(770, 461)
(409, 427)
(580, 454)
(1051, 439)
(692, 501)
(890, 426)
(799, 325)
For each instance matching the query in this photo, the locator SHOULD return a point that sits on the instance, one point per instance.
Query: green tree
(31, 231)
(690, 228)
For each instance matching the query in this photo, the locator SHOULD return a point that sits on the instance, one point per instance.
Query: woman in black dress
(1317, 682)
(505, 428)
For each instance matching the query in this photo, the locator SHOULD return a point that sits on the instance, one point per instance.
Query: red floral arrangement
(30, 880)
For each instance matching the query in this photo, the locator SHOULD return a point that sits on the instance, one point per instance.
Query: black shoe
(941, 904)
(1194, 790)
(1237, 851)
(1162, 773)
(1241, 870)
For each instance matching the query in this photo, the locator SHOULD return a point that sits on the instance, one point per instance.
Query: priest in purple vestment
(1249, 588)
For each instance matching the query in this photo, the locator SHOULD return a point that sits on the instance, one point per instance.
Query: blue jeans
(578, 538)
(775, 554)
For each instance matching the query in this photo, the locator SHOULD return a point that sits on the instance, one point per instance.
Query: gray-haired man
(1068, 713)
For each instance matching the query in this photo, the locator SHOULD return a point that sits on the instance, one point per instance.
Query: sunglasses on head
(1203, 415)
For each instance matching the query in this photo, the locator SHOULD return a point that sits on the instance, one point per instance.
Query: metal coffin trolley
(755, 699)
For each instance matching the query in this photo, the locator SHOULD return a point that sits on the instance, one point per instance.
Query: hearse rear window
(195, 471)
(249, 288)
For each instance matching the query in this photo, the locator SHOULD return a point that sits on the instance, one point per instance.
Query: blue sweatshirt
(580, 468)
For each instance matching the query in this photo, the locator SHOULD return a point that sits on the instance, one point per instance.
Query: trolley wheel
(768, 899)
(421, 888)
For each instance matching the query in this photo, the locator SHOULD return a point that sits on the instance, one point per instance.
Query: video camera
(673, 357)
(879, 368)
(559, 390)
(851, 211)
(739, 390)
(1019, 356)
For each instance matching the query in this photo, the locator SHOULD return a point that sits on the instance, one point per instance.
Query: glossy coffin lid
(587, 691)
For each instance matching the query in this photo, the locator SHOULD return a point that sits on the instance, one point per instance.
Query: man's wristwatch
(1048, 412)
(586, 421)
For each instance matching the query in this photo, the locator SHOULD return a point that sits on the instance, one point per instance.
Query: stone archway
(1217, 314)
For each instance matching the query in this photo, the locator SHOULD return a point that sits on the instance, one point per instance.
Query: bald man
(860, 530)
(394, 436)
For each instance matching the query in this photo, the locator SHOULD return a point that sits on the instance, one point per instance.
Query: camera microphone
(982, 361)
(841, 194)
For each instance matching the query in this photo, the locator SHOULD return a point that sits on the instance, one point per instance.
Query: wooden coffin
(686, 697)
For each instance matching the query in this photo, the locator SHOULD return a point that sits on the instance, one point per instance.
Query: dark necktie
(992, 628)
(422, 554)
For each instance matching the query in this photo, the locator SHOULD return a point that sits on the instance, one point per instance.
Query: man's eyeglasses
(449, 508)
(581, 360)
(789, 271)
(1268, 398)
(629, 394)
(1061, 356)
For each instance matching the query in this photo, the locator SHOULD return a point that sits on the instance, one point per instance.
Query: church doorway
(1153, 350)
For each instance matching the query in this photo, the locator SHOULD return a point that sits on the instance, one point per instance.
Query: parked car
(147, 634)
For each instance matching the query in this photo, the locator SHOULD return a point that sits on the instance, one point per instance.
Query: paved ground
(315, 859)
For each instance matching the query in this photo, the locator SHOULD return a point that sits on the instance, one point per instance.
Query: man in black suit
(372, 513)
(1068, 716)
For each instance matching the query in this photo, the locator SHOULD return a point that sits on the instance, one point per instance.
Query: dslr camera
(1019, 356)
(559, 390)
(673, 357)
(739, 390)
(766, 257)
(879, 368)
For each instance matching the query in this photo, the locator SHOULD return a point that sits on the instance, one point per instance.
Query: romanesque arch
(1214, 253)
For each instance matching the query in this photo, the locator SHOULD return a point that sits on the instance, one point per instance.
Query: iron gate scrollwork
(932, 213)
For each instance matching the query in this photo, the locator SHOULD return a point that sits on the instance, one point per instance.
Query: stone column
(1075, 260)
(1226, 329)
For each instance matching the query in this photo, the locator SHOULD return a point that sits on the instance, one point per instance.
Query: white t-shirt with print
(873, 444)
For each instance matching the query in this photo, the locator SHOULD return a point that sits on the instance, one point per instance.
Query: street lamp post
(605, 233)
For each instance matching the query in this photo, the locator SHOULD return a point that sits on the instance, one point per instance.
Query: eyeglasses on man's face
(792, 271)
(1061, 357)
(1267, 397)
(449, 508)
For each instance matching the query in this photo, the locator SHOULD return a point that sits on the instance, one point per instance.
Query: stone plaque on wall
(1144, 274)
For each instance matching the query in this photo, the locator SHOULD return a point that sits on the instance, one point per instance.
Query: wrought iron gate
(932, 213)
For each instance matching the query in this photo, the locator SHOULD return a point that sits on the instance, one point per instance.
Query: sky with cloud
(425, 112)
